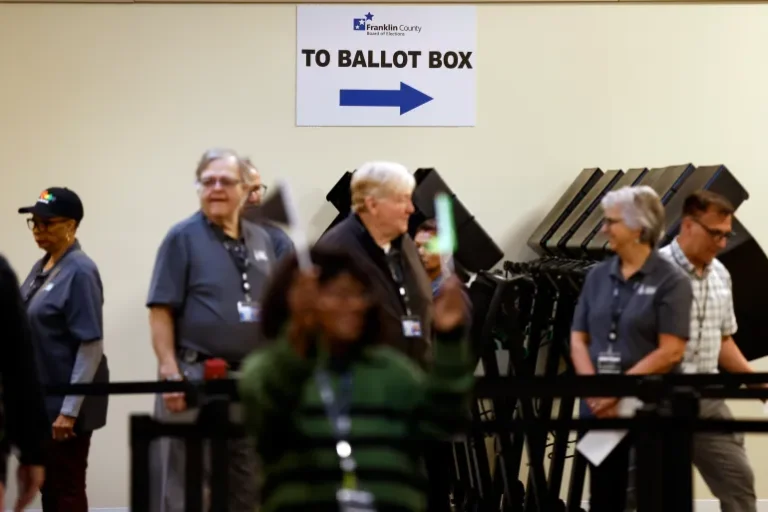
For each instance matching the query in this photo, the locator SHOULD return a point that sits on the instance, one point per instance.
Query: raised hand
(450, 308)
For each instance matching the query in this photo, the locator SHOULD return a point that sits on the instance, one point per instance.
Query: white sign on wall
(384, 65)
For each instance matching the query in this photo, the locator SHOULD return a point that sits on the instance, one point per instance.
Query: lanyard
(396, 269)
(239, 254)
(701, 308)
(337, 409)
(238, 251)
(617, 308)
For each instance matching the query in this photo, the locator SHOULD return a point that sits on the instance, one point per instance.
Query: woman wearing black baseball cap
(64, 299)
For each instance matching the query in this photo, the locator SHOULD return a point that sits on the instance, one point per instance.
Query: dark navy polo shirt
(196, 276)
(64, 312)
(655, 300)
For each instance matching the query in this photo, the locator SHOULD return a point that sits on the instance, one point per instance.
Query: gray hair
(379, 179)
(214, 154)
(641, 209)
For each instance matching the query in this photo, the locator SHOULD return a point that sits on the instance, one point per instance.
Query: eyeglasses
(43, 224)
(260, 188)
(716, 234)
(608, 221)
(225, 182)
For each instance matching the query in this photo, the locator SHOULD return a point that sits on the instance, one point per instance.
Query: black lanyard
(701, 308)
(337, 407)
(394, 262)
(239, 254)
(238, 251)
(618, 306)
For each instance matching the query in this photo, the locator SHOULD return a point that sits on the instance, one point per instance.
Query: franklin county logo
(366, 25)
(360, 23)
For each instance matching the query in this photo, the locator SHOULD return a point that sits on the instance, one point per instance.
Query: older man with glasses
(280, 240)
(720, 457)
(203, 302)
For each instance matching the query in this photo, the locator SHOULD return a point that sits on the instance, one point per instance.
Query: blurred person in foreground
(326, 361)
(706, 226)
(203, 304)
(64, 298)
(632, 317)
(25, 422)
(440, 462)
(280, 240)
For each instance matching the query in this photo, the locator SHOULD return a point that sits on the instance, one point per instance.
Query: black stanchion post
(140, 438)
(217, 425)
(648, 447)
(677, 466)
(193, 480)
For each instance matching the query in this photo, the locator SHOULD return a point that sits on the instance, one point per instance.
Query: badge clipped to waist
(248, 311)
(355, 500)
(609, 362)
(411, 327)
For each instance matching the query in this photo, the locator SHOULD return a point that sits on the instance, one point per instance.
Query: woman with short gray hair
(633, 317)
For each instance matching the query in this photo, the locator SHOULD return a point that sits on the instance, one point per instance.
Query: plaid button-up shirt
(712, 315)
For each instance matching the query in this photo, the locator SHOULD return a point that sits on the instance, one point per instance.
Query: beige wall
(118, 102)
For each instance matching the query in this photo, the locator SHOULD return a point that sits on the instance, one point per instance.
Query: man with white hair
(376, 232)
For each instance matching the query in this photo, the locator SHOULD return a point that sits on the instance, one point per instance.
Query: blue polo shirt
(655, 300)
(196, 277)
(64, 307)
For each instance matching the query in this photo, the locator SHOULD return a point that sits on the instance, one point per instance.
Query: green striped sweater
(395, 407)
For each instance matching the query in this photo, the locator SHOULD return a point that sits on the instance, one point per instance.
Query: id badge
(609, 363)
(248, 311)
(411, 327)
(354, 500)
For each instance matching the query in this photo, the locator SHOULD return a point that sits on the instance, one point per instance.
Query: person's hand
(762, 385)
(30, 479)
(302, 301)
(450, 309)
(174, 402)
(604, 407)
(63, 428)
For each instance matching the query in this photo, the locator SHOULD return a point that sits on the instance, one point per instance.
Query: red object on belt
(215, 369)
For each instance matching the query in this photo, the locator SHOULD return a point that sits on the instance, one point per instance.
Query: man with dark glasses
(705, 228)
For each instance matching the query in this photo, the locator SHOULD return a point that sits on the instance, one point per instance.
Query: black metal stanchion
(140, 438)
(677, 466)
(215, 422)
(648, 452)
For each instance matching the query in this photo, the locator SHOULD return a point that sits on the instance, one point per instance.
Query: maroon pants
(65, 467)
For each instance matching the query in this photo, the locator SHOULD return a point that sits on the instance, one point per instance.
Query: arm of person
(731, 357)
(582, 363)
(447, 386)
(167, 292)
(84, 312)
(27, 425)
(673, 316)
(270, 388)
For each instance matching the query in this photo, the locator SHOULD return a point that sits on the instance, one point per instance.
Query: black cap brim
(35, 210)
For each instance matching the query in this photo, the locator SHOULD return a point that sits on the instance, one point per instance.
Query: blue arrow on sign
(407, 98)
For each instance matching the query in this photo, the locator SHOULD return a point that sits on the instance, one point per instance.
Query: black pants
(438, 459)
(65, 474)
(608, 482)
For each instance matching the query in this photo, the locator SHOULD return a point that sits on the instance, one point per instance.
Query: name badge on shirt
(609, 363)
(411, 327)
(248, 311)
(353, 500)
